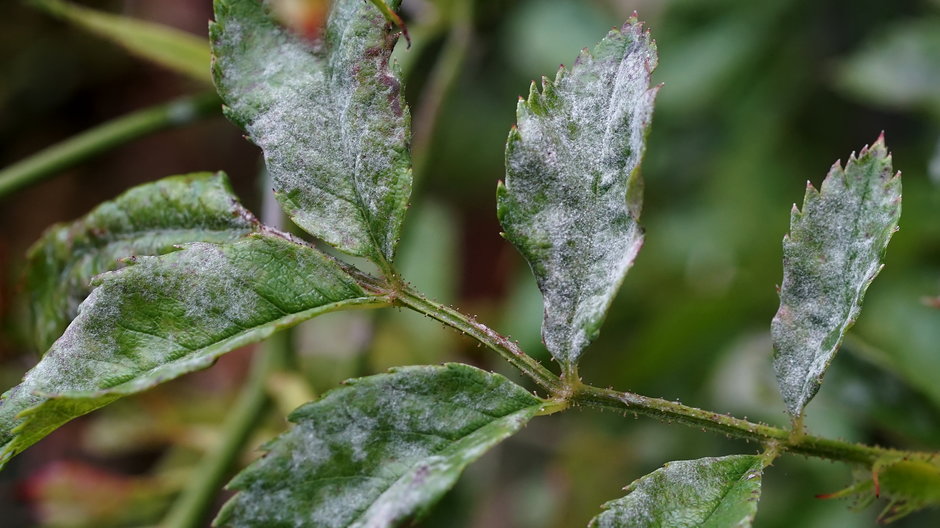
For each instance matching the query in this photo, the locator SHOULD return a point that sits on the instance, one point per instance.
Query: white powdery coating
(689, 494)
(832, 254)
(330, 119)
(570, 168)
(209, 291)
(166, 316)
(146, 220)
(377, 451)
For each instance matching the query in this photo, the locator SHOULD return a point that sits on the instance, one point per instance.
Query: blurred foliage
(758, 97)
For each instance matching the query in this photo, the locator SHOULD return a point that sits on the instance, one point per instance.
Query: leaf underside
(572, 194)
(166, 316)
(329, 115)
(146, 220)
(833, 252)
(703, 493)
(380, 450)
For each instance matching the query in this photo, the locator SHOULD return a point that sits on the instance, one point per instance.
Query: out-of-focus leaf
(380, 450)
(831, 255)
(901, 333)
(147, 220)
(166, 316)
(167, 46)
(898, 68)
(328, 114)
(573, 190)
(77, 495)
(703, 493)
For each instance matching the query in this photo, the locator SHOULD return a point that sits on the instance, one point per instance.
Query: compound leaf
(703, 493)
(831, 255)
(572, 194)
(164, 45)
(329, 115)
(165, 316)
(380, 450)
(147, 220)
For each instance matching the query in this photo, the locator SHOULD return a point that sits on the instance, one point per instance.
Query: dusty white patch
(568, 177)
(831, 255)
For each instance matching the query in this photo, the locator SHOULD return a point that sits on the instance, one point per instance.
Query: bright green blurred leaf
(704, 493)
(167, 46)
(146, 220)
(899, 68)
(573, 190)
(329, 116)
(832, 254)
(167, 316)
(380, 450)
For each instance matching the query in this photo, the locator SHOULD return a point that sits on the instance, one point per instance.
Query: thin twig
(51, 160)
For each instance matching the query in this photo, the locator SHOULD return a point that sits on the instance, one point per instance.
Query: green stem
(101, 138)
(441, 82)
(485, 335)
(574, 392)
(197, 497)
(669, 411)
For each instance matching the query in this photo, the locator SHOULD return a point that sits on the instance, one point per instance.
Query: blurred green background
(758, 98)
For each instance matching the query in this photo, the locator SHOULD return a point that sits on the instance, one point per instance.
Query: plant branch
(669, 411)
(508, 349)
(90, 143)
(576, 393)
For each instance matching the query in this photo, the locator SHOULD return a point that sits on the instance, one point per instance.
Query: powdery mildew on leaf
(703, 493)
(831, 255)
(572, 194)
(147, 220)
(328, 114)
(166, 316)
(380, 450)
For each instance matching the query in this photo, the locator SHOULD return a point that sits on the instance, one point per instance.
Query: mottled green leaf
(380, 450)
(898, 68)
(147, 220)
(831, 255)
(328, 114)
(703, 493)
(573, 190)
(169, 315)
(164, 45)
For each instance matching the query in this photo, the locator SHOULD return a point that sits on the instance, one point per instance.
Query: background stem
(92, 142)
(440, 83)
(194, 502)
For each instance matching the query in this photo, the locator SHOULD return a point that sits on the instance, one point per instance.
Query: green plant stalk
(101, 138)
(192, 506)
(505, 347)
(663, 410)
(443, 78)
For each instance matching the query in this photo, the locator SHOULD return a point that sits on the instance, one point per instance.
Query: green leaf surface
(169, 315)
(573, 190)
(380, 450)
(164, 45)
(833, 252)
(147, 220)
(703, 493)
(329, 116)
